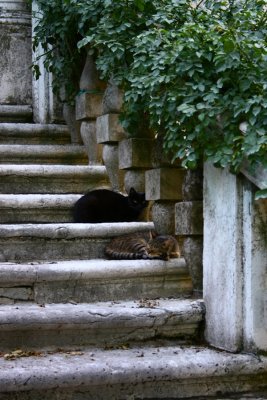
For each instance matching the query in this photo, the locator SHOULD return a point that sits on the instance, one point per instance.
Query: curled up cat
(143, 245)
(103, 205)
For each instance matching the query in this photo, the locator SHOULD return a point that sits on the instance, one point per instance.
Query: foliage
(60, 25)
(195, 69)
(261, 194)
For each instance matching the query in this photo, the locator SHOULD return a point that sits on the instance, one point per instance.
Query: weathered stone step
(14, 133)
(255, 395)
(28, 242)
(37, 208)
(98, 324)
(50, 179)
(15, 113)
(43, 154)
(95, 280)
(173, 372)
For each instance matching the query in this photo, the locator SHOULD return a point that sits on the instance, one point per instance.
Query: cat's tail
(123, 255)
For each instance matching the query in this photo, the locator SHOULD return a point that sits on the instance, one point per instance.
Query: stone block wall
(177, 210)
(134, 160)
(189, 225)
(16, 53)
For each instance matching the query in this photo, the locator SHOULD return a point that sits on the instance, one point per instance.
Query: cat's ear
(132, 192)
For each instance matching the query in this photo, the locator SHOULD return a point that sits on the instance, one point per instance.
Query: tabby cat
(103, 205)
(143, 245)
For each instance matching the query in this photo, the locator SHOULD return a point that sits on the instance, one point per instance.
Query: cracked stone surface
(173, 372)
(98, 280)
(100, 324)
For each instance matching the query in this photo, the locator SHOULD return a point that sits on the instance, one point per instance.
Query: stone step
(81, 281)
(43, 154)
(15, 113)
(169, 372)
(48, 179)
(36, 208)
(102, 324)
(28, 134)
(28, 242)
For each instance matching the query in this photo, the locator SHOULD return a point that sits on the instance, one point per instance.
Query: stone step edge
(45, 178)
(184, 371)
(34, 129)
(40, 201)
(93, 281)
(36, 154)
(15, 113)
(83, 270)
(25, 133)
(35, 150)
(45, 170)
(103, 315)
(72, 230)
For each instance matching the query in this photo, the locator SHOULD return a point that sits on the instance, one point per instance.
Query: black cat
(103, 205)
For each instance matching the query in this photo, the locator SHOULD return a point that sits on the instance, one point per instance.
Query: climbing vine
(59, 26)
(197, 70)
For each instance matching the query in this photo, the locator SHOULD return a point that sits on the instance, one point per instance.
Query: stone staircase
(75, 326)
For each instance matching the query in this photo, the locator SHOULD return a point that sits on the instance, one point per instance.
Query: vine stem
(199, 4)
(263, 19)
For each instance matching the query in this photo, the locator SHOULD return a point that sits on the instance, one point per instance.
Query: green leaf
(84, 42)
(193, 73)
(261, 194)
(228, 45)
(140, 4)
(201, 116)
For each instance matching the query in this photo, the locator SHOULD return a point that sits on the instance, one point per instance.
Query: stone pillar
(254, 270)
(109, 132)
(112, 99)
(47, 107)
(16, 53)
(88, 109)
(234, 262)
(189, 226)
(222, 258)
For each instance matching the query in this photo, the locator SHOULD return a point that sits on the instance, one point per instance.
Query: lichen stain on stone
(261, 219)
(5, 44)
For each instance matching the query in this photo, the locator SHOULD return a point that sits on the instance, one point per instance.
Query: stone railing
(234, 256)
(139, 162)
(258, 176)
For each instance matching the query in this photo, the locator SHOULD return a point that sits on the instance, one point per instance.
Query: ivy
(60, 25)
(194, 70)
(261, 194)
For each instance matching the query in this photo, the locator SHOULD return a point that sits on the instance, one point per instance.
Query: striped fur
(164, 247)
(130, 247)
(144, 245)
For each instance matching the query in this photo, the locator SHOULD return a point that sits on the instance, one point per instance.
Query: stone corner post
(234, 262)
(16, 59)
